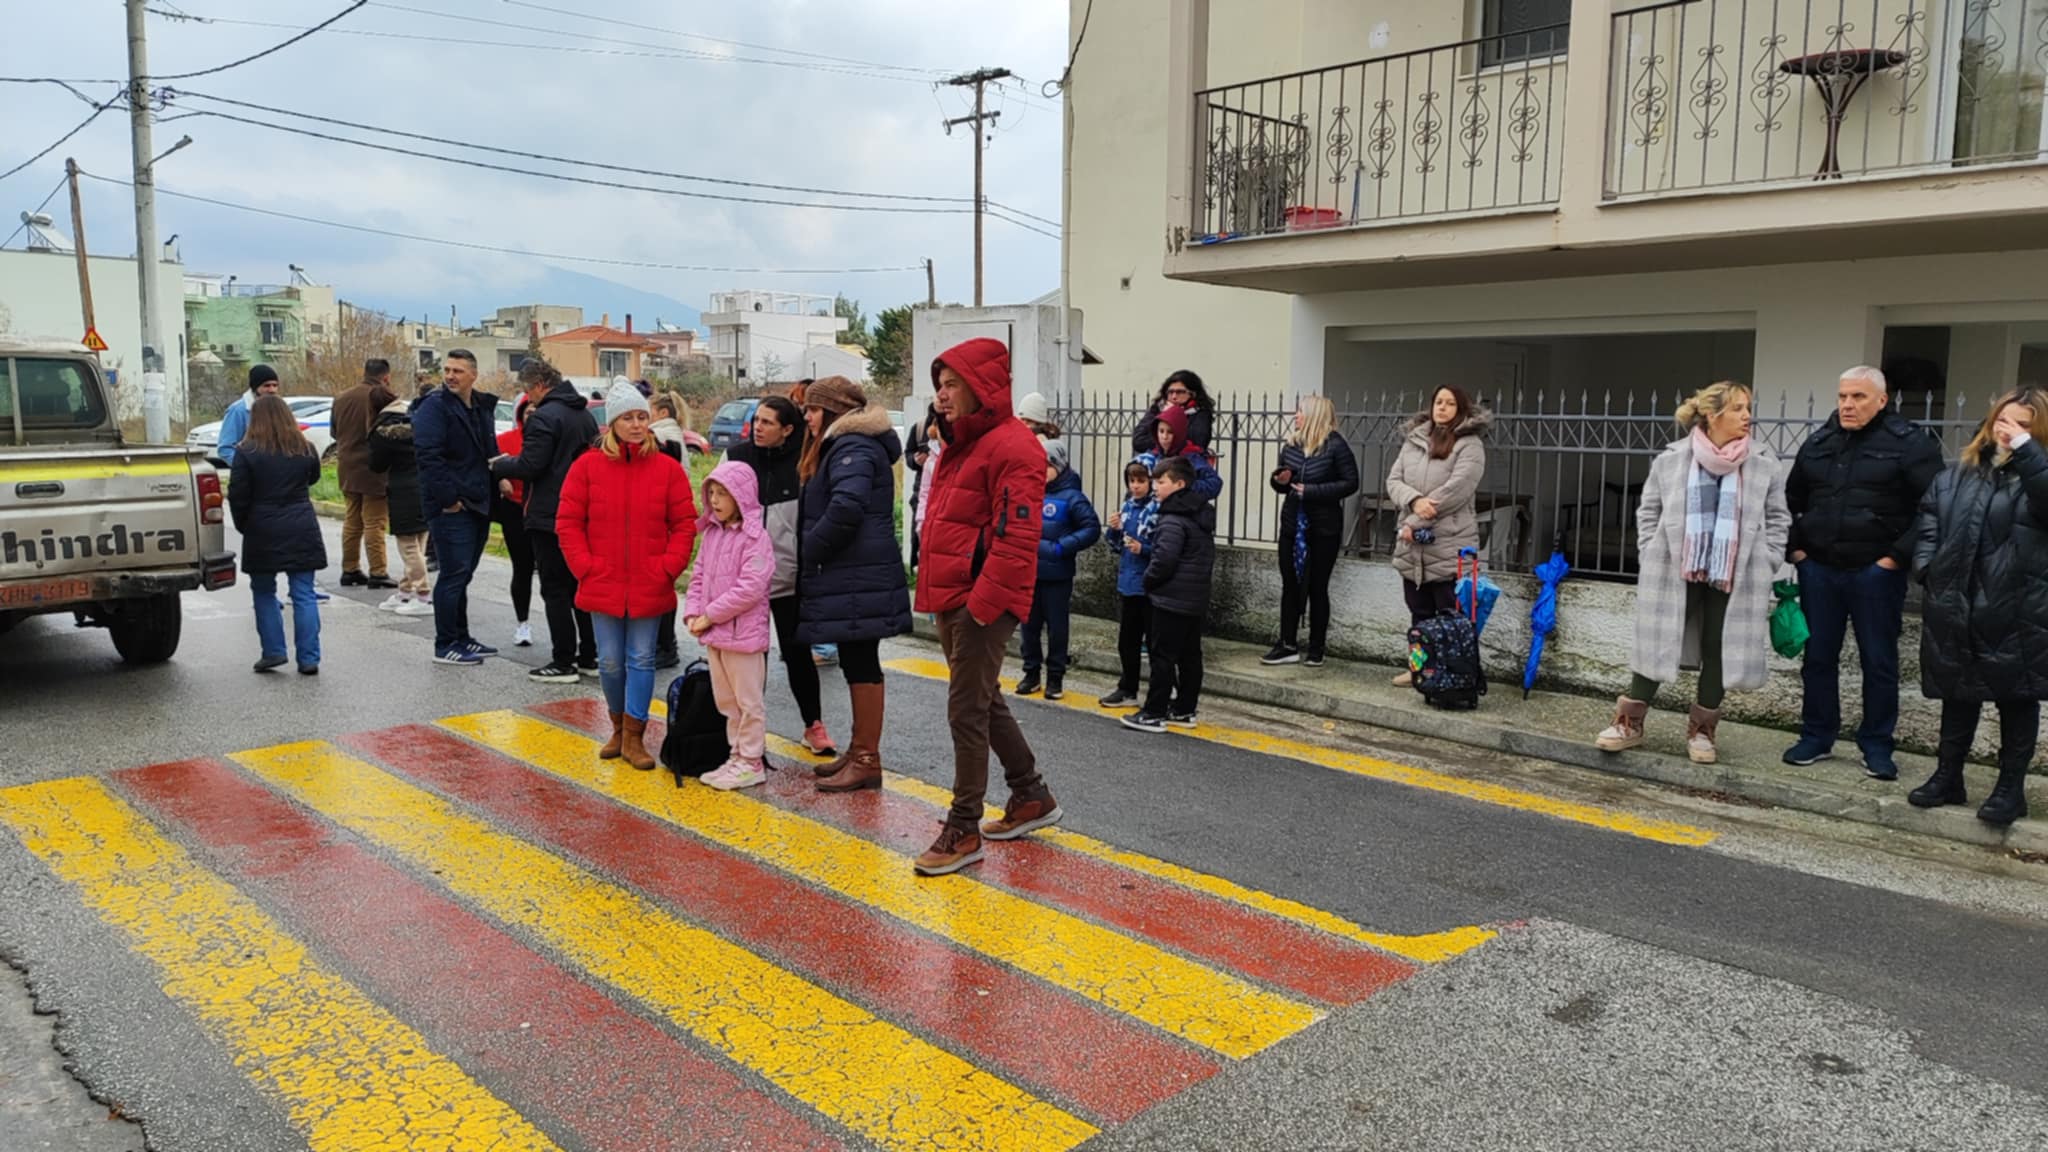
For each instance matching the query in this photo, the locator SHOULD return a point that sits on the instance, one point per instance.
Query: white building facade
(39, 297)
(760, 337)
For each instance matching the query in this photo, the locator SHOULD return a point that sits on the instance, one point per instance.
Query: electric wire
(718, 40)
(59, 143)
(45, 204)
(278, 47)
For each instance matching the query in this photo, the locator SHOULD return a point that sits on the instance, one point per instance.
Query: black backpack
(695, 743)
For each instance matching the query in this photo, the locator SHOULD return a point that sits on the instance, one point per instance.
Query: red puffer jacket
(981, 529)
(626, 527)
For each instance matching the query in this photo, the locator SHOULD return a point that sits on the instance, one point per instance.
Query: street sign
(92, 340)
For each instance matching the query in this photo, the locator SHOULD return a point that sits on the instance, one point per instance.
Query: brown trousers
(980, 717)
(367, 520)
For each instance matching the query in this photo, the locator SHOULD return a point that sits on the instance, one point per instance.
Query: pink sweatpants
(739, 682)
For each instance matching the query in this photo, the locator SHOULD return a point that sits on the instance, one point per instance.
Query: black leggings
(1313, 591)
(512, 524)
(860, 661)
(796, 659)
(1432, 599)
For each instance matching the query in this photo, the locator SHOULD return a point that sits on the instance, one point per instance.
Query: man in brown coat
(368, 519)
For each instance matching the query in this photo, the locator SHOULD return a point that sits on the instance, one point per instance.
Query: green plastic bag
(1788, 621)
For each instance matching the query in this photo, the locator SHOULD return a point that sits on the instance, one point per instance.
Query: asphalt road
(1780, 987)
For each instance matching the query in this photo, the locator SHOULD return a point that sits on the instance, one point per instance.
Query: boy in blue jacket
(1070, 525)
(1130, 533)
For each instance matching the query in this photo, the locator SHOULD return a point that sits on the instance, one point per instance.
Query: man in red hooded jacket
(980, 566)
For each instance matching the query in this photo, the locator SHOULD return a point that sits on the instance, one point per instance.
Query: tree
(362, 335)
(772, 370)
(889, 349)
(856, 320)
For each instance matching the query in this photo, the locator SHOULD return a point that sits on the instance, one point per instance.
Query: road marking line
(866, 1073)
(352, 1075)
(1641, 827)
(1217, 1010)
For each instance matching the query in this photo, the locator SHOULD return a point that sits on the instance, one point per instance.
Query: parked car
(733, 423)
(508, 408)
(315, 415)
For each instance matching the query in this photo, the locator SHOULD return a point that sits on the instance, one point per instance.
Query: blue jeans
(459, 541)
(625, 661)
(1871, 600)
(270, 616)
(1052, 605)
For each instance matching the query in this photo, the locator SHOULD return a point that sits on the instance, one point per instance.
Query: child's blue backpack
(695, 743)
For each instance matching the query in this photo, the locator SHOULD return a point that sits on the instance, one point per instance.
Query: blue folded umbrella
(1543, 617)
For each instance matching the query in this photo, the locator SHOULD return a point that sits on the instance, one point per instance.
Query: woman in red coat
(626, 523)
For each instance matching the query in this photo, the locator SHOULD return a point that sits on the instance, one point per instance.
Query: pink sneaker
(818, 741)
(736, 774)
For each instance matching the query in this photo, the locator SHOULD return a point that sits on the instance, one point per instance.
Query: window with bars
(1513, 30)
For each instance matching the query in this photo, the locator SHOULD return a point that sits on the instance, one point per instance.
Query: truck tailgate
(90, 511)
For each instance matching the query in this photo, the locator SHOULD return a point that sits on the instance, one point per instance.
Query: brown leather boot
(631, 748)
(610, 751)
(1699, 734)
(863, 767)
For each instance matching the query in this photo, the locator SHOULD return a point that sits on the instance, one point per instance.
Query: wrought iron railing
(1468, 127)
(1563, 472)
(1721, 93)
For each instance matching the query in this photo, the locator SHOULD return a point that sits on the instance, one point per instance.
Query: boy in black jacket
(1177, 580)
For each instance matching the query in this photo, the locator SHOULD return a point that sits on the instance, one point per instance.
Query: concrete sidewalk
(1558, 727)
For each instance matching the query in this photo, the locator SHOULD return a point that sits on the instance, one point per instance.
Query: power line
(82, 125)
(1061, 83)
(925, 72)
(61, 180)
(1021, 224)
(581, 163)
(993, 203)
(278, 47)
(474, 247)
(66, 85)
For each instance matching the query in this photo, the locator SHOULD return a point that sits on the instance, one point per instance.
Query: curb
(1890, 811)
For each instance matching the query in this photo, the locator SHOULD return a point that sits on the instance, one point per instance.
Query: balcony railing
(1725, 93)
(1476, 126)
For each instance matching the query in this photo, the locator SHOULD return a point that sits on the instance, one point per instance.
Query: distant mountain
(595, 295)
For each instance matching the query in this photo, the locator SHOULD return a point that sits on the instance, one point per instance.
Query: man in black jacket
(1854, 490)
(558, 429)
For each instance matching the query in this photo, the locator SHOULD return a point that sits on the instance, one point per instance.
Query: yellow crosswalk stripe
(868, 1074)
(1612, 820)
(353, 1077)
(1214, 1009)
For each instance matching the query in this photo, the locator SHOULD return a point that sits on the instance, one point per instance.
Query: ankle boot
(1699, 734)
(631, 747)
(863, 769)
(1945, 786)
(1627, 730)
(610, 751)
(2008, 801)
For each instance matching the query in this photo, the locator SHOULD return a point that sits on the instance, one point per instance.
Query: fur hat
(835, 394)
(623, 398)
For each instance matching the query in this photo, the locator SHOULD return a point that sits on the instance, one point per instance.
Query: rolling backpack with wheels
(695, 743)
(1443, 656)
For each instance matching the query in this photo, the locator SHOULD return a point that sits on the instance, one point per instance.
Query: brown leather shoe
(631, 747)
(834, 766)
(955, 849)
(610, 751)
(863, 771)
(1024, 817)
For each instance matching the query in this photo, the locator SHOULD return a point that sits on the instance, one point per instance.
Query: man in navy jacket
(454, 436)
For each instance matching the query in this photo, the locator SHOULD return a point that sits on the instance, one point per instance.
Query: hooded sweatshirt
(735, 566)
(1208, 482)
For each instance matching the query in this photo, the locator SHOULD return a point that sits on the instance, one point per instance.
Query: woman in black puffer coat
(1983, 546)
(1317, 473)
(391, 453)
(269, 493)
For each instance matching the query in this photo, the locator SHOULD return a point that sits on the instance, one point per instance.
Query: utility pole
(78, 244)
(156, 417)
(931, 284)
(979, 80)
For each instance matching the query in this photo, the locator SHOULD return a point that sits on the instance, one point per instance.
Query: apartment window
(611, 363)
(273, 331)
(1522, 29)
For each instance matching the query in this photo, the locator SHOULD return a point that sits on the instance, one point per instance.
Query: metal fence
(1562, 472)
(1721, 93)
(1472, 126)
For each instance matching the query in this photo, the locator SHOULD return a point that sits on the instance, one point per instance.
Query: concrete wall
(1588, 654)
(39, 291)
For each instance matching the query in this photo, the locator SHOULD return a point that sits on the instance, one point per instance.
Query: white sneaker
(522, 636)
(394, 602)
(415, 607)
(736, 774)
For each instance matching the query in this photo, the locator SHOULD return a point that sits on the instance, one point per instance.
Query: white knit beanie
(1032, 407)
(624, 397)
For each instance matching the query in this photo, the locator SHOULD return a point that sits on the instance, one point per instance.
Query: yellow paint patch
(353, 1077)
(1642, 827)
(866, 1073)
(1214, 1009)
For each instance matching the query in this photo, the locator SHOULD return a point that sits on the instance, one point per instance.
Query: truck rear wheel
(146, 631)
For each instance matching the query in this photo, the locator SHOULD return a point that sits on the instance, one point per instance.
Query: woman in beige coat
(1710, 534)
(1433, 483)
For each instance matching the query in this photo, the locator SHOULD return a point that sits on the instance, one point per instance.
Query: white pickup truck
(109, 532)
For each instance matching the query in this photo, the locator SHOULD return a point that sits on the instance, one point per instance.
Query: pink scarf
(1719, 460)
(1713, 511)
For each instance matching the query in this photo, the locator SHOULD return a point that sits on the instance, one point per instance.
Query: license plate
(44, 592)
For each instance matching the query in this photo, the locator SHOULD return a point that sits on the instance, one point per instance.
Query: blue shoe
(460, 657)
(1809, 750)
(475, 648)
(321, 595)
(1879, 765)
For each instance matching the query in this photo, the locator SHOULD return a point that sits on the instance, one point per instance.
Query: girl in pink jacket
(726, 609)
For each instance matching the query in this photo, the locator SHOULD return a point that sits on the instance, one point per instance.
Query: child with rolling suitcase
(726, 609)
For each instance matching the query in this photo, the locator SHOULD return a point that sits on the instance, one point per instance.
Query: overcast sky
(591, 90)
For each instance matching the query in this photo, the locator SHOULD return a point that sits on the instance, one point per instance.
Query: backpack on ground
(695, 743)
(1443, 657)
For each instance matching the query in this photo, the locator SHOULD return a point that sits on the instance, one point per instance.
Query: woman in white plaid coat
(1710, 536)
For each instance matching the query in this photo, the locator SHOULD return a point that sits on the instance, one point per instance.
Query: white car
(315, 421)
